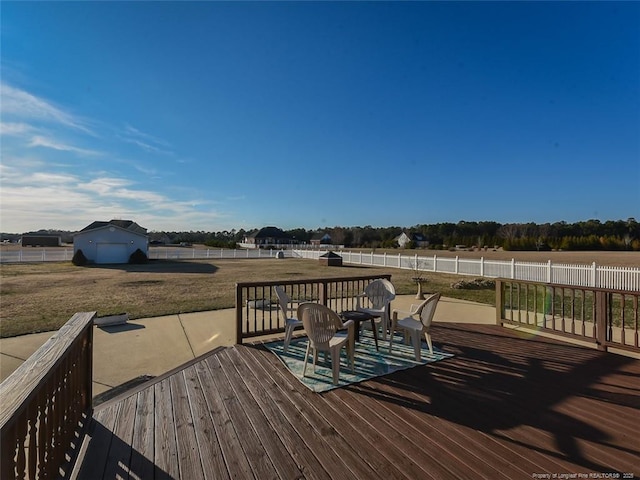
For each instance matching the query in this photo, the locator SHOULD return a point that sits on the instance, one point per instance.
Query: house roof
(320, 235)
(269, 232)
(416, 237)
(123, 224)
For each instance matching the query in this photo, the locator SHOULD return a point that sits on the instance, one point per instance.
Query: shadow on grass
(160, 266)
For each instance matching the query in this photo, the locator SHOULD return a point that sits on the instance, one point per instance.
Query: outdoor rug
(369, 363)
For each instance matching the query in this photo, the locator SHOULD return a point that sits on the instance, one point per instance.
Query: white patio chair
(379, 293)
(417, 323)
(322, 326)
(288, 309)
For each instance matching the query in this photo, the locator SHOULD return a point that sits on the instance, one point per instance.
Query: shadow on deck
(504, 406)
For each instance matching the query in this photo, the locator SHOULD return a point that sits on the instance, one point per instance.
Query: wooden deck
(504, 407)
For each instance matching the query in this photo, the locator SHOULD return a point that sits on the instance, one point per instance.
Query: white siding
(109, 244)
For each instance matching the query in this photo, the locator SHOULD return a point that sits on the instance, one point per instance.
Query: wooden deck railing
(46, 402)
(257, 304)
(606, 317)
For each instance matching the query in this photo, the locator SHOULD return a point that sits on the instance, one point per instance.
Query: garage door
(112, 253)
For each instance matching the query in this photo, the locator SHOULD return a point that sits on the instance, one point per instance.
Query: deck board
(504, 407)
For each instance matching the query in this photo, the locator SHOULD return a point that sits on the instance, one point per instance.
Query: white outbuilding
(111, 242)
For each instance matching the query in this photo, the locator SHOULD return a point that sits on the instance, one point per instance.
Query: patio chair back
(427, 309)
(320, 324)
(287, 309)
(380, 292)
(283, 302)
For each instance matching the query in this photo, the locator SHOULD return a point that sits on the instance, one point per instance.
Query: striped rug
(369, 363)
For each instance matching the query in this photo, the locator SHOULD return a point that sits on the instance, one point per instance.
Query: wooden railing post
(322, 293)
(601, 312)
(239, 307)
(499, 302)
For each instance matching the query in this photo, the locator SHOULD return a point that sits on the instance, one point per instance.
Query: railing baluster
(609, 318)
(252, 321)
(32, 456)
(37, 420)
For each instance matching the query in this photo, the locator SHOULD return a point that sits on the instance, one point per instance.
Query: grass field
(43, 296)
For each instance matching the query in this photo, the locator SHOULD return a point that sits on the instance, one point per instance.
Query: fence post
(513, 268)
(594, 275)
(435, 262)
(384, 259)
(456, 269)
(482, 266)
(549, 270)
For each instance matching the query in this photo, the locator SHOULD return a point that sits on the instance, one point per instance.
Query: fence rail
(46, 402)
(606, 317)
(257, 311)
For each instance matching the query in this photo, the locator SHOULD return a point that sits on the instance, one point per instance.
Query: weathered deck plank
(226, 429)
(277, 422)
(317, 434)
(279, 456)
(189, 454)
(504, 406)
(166, 448)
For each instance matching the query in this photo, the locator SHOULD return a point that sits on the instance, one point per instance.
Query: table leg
(356, 335)
(375, 331)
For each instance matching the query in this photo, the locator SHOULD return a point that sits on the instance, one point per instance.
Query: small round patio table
(358, 317)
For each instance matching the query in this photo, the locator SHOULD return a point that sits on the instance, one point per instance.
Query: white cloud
(22, 104)
(15, 129)
(38, 190)
(145, 141)
(40, 141)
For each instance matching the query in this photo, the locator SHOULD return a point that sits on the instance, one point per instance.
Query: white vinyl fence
(593, 275)
(155, 253)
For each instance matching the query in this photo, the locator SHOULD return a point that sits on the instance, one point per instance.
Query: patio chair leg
(306, 359)
(416, 345)
(384, 323)
(393, 330)
(428, 339)
(287, 337)
(335, 366)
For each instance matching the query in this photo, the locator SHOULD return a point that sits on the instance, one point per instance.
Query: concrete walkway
(153, 346)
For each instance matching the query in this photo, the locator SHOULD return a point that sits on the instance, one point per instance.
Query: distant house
(267, 237)
(40, 240)
(111, 242)
(418, 240)
(320, 238)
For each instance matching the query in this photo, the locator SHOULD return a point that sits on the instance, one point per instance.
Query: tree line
(584, 235)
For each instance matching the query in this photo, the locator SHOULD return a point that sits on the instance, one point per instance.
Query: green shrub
(79, 259)
(138, 257)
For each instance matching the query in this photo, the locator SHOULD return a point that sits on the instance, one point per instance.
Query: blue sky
(218, 115)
